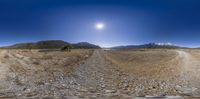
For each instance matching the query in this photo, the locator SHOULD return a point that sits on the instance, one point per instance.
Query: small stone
(31, 94)
(86, 56)
(141, 95)
(93, 97)
(80, 96)
(126, 85)
(27, 90)
(103, 86)
(110, 91)
(92, 90)
(178, 86)
(83, 90)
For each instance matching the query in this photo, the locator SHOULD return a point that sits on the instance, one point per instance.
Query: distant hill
(51, 44)
(85, 45)
(149, 45)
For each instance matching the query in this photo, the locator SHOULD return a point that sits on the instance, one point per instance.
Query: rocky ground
(99, 74)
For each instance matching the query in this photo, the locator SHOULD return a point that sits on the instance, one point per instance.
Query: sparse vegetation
(67, 48)
(29, 46)
(36, 63)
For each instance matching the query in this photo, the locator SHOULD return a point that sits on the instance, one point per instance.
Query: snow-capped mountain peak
(165, 44)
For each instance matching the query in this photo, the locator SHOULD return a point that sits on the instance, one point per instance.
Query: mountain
(149, 45)
(51, 44)
(85, 45)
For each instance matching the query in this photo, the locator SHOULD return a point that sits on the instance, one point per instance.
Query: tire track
(3, 67)
(185, 62)
(189, 73)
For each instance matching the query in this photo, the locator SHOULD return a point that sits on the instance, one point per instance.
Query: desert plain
(100, 73)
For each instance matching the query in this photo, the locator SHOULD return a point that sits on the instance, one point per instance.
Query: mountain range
(51, 44)
(56, 44)
(149, 45)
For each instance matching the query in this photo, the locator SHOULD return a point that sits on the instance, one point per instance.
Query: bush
(67, 48)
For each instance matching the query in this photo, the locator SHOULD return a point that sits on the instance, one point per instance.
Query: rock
(178, 86)
(113, 95)
(31, 94)
(80, 96)
(186, 91)
(18, 95)
(92, 90)
(103, 86)
(126, 85)
(83, 90)
(86, 56)
(110, 91)
(126, 92)
(27, 90)
(93, 97)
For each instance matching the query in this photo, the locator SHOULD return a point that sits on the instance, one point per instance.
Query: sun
(99, 26)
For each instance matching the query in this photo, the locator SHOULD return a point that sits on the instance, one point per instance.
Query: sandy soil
(27, 73)
(164, 72)
(100, 74)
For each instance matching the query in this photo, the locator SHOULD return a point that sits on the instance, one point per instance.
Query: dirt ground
(100, 74)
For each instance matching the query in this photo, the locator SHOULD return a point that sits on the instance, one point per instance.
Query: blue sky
(126, 21)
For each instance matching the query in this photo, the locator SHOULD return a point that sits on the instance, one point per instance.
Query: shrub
(67, 48)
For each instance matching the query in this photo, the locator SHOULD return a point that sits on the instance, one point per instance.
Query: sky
(126, 22)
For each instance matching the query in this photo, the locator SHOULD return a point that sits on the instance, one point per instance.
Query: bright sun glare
(99, 26)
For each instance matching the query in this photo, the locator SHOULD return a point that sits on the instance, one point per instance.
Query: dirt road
(3, 67)
(189, 73)
(185, 64)
(98, 75)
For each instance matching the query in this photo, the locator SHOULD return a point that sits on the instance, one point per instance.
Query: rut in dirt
(3, 67)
